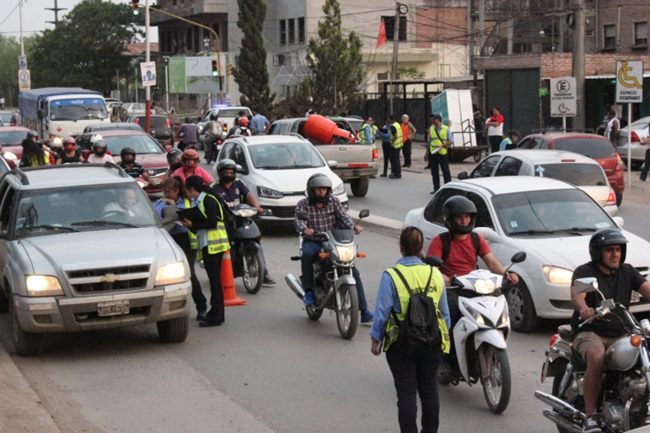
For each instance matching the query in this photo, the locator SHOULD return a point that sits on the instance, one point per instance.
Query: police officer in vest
(367, 132)
(440, 138)
(213, 242)
(411, 373)
(396, 144)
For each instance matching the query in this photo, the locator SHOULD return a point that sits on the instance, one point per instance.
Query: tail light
(635, 137)
(553, 340)
(168, 124)
(136, 121)
(611, 198)
(620, 166)
(375, 154)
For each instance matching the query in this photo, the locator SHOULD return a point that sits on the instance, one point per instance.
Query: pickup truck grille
(109, 279)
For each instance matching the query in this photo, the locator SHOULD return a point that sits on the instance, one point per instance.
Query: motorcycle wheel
(347, 318)
(254, 277)
(496, 380)
(557, 382)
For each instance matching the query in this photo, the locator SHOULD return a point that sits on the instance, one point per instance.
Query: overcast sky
(35, 16)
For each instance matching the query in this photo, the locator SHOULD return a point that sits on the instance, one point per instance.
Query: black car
(96, 127)
(160, 128)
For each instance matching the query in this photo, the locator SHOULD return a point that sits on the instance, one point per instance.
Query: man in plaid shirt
(325, 212)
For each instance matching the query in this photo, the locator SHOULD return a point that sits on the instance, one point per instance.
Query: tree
(335, 62)
(9, 52)
(85, 48)
(252, 75)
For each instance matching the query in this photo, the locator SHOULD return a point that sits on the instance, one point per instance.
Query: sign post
(629, 88)
(24, 80)
(563, 98)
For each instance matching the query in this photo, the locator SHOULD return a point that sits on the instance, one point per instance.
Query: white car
(225, 115)
(552, 221)
(276, 169)
(640, 131)
(135, 108)
(579, 170)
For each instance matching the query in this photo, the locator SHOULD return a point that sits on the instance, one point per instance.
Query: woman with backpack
(411, 323)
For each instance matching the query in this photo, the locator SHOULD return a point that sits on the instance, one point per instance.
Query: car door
(509, 166)
(7, 194)
(486, 167)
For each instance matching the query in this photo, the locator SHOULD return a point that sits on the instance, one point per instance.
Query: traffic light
(215, 69)
(135, 5)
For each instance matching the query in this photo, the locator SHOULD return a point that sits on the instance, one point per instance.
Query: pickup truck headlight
(555, 275)
(170, 274)
(263, 191)
(43, 285)
(340, 189)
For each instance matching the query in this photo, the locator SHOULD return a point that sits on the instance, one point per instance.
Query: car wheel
(619, 198)
(174, 330)
(636, 165)
(360, 186)
(521, 310)
(25, 343)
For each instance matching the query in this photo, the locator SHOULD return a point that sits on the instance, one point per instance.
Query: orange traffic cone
(230, 298)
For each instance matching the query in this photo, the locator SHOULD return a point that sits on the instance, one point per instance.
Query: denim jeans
(646, 165)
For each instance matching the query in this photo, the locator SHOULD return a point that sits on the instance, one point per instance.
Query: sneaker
(395, 176)
(383, 175)
(590, 425)
(366, 316)
(201, 315)
(308, 299)
(268, 281)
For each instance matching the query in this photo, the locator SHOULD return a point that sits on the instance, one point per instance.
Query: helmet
(32, 134)
(127, 151)
(223, 165)
(189, 154)
(318, 180)
(174, 156)
(99, 143)
(243, 121)
(604, 237)
(69, 140)
(455, 206)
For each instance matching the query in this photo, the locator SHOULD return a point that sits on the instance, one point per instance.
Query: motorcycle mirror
(302, 215)
(364, 213)
(518, 257)
(585, 285)
(433, 261)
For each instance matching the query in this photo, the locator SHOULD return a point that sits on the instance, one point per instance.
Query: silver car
(640, 131)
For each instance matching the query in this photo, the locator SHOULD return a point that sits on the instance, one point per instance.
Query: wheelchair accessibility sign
(629, 81)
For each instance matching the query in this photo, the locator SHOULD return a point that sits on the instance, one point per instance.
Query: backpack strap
(476, 242)
(446, 244)
(408, 288)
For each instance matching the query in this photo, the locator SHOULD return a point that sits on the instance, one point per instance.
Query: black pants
(441, 161)
(213, 269)
(495, 142)
(415, 374)
(406, 151)
(183, 241)
(395, 168)
(646, 165)
(386, 149)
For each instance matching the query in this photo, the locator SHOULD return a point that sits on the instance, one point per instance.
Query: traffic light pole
(147, 89)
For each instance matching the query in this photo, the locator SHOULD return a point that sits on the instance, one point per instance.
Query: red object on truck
(323, 130)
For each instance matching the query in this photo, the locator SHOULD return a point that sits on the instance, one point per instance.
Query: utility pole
(579, 64)
(56, 10)
(393, 72)
(20, 18)
(147, 89)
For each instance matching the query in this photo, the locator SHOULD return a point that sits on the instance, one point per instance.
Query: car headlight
(263, 191)
(555, 275)
(43, 285)
(484, 286)
(340, 189)
(173, 273)
(346, 253)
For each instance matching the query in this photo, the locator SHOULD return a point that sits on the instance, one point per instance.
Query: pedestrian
(408, 132)
(479, 126)
(613, 127)
(396, 144)
(172, 116)
(495, 129)
(367, 131)
(510, 142)
(440, 138)
(386, 148)
(259, 124)
(412, 373)
(33, 153)
(211, 232)
(646, 163)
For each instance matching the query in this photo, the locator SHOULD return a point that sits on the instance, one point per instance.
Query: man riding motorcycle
(129, 164)
(325, 213)
(233, 193)
(616, 280)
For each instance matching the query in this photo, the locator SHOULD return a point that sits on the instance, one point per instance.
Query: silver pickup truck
(355, 163)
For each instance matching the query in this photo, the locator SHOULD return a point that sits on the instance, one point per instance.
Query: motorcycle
(334, 284)
(624, 399)
(247, 258)
(211, 144)
(481, 332)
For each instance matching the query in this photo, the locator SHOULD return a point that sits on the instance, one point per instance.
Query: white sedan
(552, 221)
(276, 169)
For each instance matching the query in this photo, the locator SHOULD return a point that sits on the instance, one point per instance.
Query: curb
(386, 226)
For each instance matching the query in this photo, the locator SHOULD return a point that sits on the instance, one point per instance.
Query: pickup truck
(355, 163)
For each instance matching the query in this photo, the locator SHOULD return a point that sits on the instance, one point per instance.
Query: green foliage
(252, 75)
(410, 73)
(85, 48)
(9, 52)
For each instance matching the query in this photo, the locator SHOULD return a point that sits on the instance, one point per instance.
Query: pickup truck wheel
(360, 186)
(174, 330)
(25, 343)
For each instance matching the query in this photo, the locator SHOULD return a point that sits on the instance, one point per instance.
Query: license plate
(112, 308)
(155, 181)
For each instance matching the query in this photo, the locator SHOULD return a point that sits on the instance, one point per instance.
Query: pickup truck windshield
(279, 156)
(78, 109)
(83, 208)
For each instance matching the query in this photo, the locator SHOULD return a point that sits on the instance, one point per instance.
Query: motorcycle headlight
(245, 213)
(484, 286)
(173, 273)
(338, 190)
(478, 317)
(43, 285)
(346, 253)
(555, 275)
(263, 191)
(504, 319)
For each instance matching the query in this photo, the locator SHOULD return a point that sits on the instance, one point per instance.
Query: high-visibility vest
(371, 134)
(396, 140)
(416, 276)
(194, 240)
(217, 237)
(436, 139)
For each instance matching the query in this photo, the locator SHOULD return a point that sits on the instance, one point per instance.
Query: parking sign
(563, 97)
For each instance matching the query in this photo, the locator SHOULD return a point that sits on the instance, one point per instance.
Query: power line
(10, 13)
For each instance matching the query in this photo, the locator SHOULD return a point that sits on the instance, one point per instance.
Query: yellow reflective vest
(194, 240)
(362, 134)
(396, 140)
(217, 237)
(416, 276)
(437, 138)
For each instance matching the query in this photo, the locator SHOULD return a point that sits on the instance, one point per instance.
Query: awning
(291, 75)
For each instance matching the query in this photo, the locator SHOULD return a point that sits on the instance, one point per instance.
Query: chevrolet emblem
(109, 278)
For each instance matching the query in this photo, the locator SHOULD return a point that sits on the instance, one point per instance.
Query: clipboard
(191, 214)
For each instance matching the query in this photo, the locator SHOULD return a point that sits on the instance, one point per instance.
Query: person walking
(408, 132)
(412, 373)
(259, 124)
(367, 131)
(613, 127)
(440, 138)
(386, 148)
(495, 129)
(396, 143)
(646, 163)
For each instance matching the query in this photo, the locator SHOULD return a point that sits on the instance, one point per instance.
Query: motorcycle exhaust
(559, 405)
(561, 422)
(294, 284)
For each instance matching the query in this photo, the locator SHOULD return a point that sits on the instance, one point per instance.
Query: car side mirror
(463, 175)
(241, 170)
(585, 285)
(518, 257)
(619, 221)
(332, 164)
(364, 213)
(302, 215)
(489, 234)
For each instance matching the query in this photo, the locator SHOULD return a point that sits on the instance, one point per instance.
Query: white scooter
(481, 332)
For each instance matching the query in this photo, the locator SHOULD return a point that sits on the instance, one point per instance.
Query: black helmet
(31, 133)
(127, 151)
(604, 237)
(455, 206)
(174, 156)
(318, 180)
(226, 164)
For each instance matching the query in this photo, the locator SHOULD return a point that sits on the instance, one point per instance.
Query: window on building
(609, 36)
(292, 31)
(283, 32)
(389, 23)
(301, 30)
(641, 33)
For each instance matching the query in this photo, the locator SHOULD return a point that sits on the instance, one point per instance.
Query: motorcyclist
(325, 213)
(33, 153)
(212, 132)
(129, 164)
(70, 153)
(616, 280)
(240, 128)
(189, 134)
(99, 155)
(174, 160)
(233, 192)
(190, 167)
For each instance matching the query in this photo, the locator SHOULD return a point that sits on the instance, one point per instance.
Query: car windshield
(276, 156)
(592, 147)
(78, 109)
(12, 138)
(576, 174)
(104, 207)
(550, 212)
(157, 122)
(6, 117)
(356, 124)
(140, 143)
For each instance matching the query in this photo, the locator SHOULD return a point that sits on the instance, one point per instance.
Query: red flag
(381, 37)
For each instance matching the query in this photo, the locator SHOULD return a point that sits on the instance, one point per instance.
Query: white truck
(61, 111)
